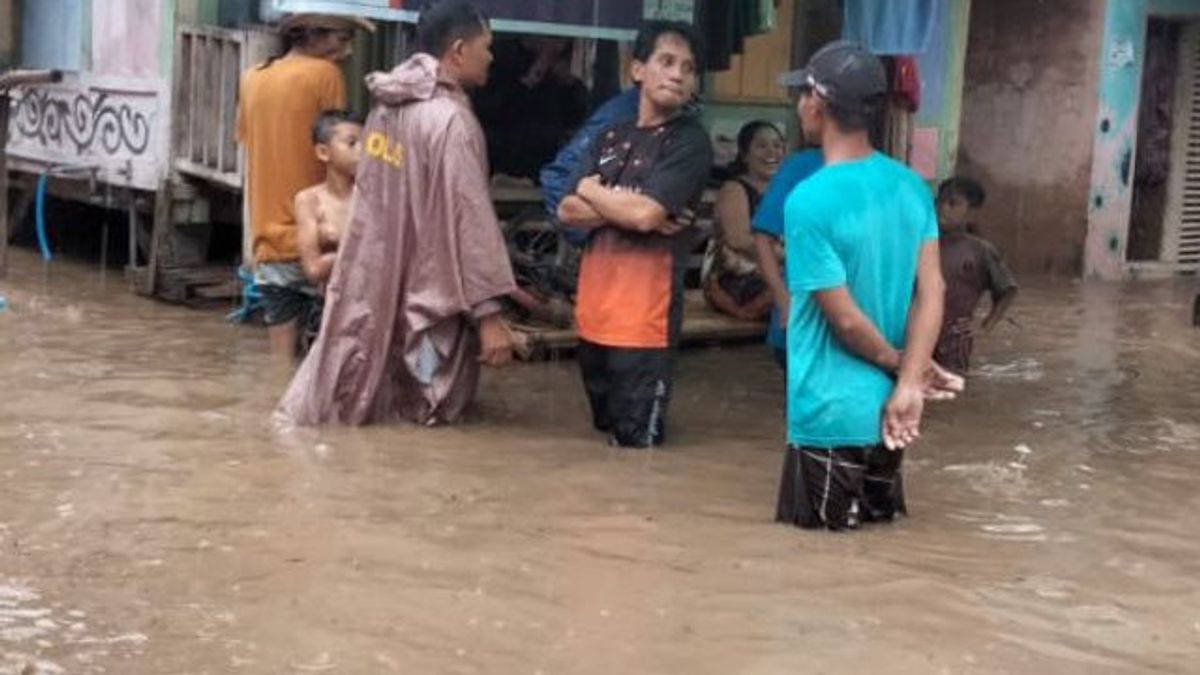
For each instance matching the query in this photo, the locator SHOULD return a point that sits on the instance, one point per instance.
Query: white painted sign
(119, 126)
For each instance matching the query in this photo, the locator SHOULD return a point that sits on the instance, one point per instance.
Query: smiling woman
(730, 276)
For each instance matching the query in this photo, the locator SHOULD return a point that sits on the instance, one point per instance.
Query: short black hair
(865, 117)
(651, 31)
(449, 20)
(967, 188)
(322, 129)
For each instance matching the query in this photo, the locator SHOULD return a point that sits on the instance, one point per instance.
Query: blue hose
(39, 217)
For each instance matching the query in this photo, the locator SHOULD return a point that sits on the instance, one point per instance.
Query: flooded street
(155, 522)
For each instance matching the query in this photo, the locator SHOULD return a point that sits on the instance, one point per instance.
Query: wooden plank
(212, 79)
(701, 325)
(161, 229)
(226, 179)
(229, 64)
(516, 195)
(196, 121)
(179, 97)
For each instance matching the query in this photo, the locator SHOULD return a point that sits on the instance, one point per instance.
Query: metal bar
(17, 78)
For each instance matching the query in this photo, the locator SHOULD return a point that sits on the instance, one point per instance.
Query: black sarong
(840, 488)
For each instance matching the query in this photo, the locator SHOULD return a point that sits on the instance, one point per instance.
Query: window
(52, 34)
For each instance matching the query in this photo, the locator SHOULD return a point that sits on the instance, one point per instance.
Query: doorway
(1165, 217)
(1156, 115)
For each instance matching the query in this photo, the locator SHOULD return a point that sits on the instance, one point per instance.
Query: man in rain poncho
(412, 308)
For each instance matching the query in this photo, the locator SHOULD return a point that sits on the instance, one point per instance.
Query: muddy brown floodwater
(154, 522)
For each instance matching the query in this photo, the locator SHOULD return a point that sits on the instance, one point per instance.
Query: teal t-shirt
(859, 224)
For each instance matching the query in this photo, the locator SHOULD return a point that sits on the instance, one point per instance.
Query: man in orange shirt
(279, 102)
(630, 194)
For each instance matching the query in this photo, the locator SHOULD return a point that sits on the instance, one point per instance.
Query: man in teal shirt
(768, 230)
(867, 292)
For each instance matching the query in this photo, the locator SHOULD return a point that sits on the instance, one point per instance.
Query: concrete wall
(1121, 57)
(1028, 103)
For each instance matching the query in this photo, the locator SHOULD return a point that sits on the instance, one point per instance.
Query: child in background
(970, 266)
(323, 210)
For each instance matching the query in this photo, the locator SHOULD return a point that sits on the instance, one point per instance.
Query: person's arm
(902, 414)
(677, 177)
(577, 213)
(317, 265)
(1000, 307)
(483, 261)
(772, 273)
(855, 330)
(1003, 286)
(815, 267)
(733, 217)
(559, 177)
(624, 209)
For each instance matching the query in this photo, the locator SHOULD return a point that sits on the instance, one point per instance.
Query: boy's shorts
(287, 295)
(841, 488)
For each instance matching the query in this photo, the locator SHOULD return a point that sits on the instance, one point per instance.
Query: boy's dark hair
(648, 34)
(322, 129)
(449, 20)
(967, 188)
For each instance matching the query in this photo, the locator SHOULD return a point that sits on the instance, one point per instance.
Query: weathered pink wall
(1029, 103)
(125, 38)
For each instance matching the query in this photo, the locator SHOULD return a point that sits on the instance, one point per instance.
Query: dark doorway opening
(1152, 168)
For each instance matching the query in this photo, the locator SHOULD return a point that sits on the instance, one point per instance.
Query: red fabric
(907, 85)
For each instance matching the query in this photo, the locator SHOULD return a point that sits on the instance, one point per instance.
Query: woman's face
(765, 153)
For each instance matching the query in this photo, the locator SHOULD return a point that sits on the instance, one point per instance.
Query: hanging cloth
(726, 25)
(906, 83)
(890, 27)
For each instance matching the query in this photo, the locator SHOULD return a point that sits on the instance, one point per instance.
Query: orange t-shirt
(276, 111)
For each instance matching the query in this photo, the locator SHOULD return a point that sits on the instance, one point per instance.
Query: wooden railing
(208, 65)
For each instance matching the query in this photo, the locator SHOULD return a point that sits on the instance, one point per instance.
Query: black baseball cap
(842, 73)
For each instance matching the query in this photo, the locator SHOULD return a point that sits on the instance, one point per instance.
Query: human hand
(668, 228)
(496, 341)
(902, 416)
(588, 183)
(784, 309)
(675, 225)
(965, 327)
(941, 384)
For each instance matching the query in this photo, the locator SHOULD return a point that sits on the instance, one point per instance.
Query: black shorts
(629, 390)
(284, 304)
(840, 488)
(309, 326)
(953, 350)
